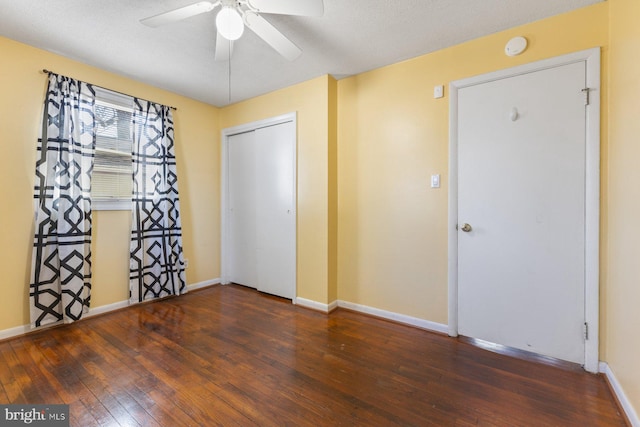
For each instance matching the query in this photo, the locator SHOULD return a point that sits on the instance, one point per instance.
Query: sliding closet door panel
(275, 230)
(242, 209)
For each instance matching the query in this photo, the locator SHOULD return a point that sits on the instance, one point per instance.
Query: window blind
(112, 171)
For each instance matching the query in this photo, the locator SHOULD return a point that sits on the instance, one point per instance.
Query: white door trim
(224, 219)
(592, 188)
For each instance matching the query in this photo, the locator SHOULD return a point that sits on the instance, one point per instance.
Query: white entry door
(521, 211)
(260, 225)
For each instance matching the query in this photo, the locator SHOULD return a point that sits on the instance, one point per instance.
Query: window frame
(122, 102)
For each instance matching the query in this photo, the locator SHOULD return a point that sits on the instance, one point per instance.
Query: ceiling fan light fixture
(229, 23)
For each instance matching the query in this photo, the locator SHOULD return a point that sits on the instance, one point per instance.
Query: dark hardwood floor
(230, 356)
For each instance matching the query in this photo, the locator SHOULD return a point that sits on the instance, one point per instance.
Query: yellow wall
(623, 289)
(393, 135)
(22, 86)
(311, 102)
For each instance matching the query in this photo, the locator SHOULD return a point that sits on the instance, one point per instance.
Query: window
(111, 181)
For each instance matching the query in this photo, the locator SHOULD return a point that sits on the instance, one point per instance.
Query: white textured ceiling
(353, 36)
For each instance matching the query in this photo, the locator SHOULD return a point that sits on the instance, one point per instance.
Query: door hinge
(586, 331)
(586, 92)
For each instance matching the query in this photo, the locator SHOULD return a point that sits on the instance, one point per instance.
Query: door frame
(592, 188)
(224, 181)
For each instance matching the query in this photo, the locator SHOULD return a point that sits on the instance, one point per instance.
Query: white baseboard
(396, 317)
(389, 315)
(630, 412)
(14, 332)
(107, 308)
(21, 330)
(314, 305)
(204, 284)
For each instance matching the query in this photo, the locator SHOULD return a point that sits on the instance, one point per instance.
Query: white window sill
(112, 205)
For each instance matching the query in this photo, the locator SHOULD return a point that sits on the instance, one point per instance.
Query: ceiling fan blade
(179, 14)
(290, 7)
(272, 36)
(224, 48)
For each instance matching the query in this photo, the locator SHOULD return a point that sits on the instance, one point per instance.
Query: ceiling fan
(234, 15)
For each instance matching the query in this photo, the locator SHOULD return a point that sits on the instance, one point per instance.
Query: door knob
(466, 227)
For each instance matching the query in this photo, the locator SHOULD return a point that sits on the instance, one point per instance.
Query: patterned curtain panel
(157, 262)
(60, 286)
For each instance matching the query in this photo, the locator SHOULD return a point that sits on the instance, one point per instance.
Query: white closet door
(276, 241)
(261, 209)
(242, 209)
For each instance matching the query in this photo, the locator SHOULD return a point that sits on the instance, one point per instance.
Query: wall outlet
(186, 263)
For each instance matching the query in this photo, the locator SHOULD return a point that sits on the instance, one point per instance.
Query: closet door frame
(224, 205)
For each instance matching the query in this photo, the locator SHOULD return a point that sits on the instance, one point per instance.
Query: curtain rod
(44, 70)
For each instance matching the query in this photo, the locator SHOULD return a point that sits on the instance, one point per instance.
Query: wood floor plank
(9, 364)
(4, 397)
(230, 356)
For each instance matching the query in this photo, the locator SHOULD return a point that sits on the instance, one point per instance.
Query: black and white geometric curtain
(157, 263)
(60, 284)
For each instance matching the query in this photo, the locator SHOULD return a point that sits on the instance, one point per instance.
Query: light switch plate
(435, 181)
(438, 91)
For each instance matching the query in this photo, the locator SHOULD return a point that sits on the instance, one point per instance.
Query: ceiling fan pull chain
(229, 76)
